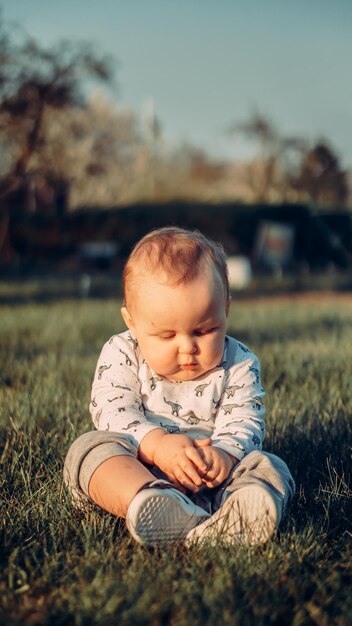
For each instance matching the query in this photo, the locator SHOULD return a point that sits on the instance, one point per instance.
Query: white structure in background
(274, 245)
(98, 249)
(84, 285)
(240, 272)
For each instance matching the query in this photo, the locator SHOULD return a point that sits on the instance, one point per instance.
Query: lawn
(59, 566)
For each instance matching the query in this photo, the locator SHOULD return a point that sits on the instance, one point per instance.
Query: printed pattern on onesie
(225, 404)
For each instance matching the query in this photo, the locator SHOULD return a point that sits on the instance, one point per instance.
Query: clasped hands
(191, 464)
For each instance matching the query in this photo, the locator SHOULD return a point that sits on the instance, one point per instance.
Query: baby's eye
(205, 331)
(167, 336)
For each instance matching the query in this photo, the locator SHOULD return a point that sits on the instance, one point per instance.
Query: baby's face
(180, 330)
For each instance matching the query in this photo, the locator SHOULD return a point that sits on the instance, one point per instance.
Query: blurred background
(118, 117)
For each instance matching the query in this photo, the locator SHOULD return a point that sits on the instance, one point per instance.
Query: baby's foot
(159, 513)
(249, 515)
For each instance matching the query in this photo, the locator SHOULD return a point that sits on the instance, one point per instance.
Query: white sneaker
(249, 515)
(159, 513)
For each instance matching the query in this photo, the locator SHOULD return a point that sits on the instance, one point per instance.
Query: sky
(207, 64)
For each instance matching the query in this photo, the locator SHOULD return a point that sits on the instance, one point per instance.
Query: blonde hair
(179, 253)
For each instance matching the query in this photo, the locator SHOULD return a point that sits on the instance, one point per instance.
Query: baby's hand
(219, 463)
(181, 461)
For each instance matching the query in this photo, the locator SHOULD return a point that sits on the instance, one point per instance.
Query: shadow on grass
(318, 454)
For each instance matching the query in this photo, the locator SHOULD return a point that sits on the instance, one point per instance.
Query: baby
(179, 410)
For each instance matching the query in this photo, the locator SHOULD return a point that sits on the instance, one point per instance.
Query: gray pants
(95, 447)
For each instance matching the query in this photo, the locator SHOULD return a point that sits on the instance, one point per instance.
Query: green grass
(63, 567)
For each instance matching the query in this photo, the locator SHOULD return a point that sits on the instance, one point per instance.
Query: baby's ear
(127, 318)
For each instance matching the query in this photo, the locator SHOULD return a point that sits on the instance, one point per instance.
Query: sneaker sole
(161, 518)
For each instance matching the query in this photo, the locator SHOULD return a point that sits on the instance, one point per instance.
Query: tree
(33, 80)
(322, 178)
(267, 176)
(96, 148)
(291, 168)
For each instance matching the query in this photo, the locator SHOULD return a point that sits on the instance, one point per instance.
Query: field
(63, 567)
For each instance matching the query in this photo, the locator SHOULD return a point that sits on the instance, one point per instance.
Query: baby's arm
(177, 456)
(116, 402)
(239, 422)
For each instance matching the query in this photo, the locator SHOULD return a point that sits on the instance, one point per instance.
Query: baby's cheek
(216, 350)
(161, 360)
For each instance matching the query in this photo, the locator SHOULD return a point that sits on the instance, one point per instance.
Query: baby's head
(176, 292)
(179, 255)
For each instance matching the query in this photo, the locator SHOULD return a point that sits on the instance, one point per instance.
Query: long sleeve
(116, 403)
(239, 423)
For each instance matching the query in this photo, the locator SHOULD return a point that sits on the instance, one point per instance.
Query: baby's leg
(251, 502)
(103, 467)
(116, 481)
(262, 470)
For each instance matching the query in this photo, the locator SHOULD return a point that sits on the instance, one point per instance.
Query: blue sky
(208, 63)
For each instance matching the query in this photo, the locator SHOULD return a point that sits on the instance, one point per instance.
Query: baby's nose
(187, 345)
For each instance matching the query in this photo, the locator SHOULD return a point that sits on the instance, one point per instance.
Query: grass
(63, 567)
